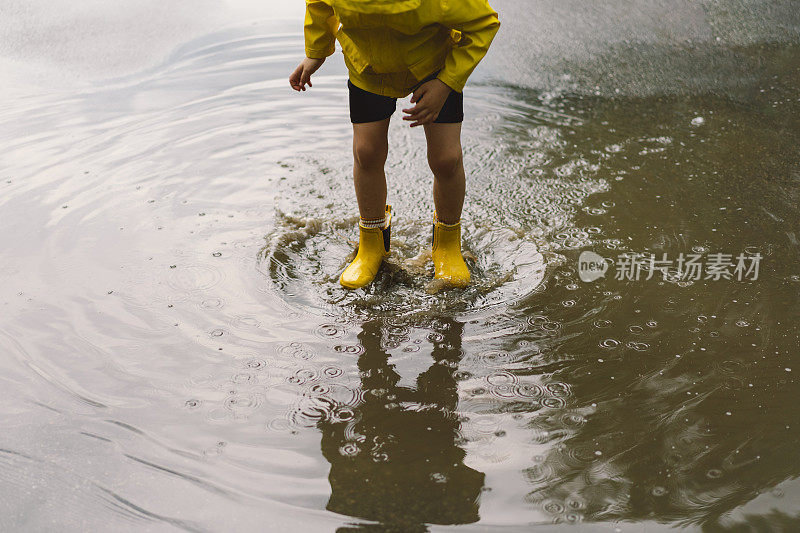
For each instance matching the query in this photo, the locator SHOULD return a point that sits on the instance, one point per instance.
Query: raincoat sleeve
(478, 23)
(320, 28)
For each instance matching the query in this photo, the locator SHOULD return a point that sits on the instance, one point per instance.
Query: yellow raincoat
(389, 46)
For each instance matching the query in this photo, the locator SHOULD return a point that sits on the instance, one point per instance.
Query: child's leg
(370, 148)
(446, 161)
(447, 165)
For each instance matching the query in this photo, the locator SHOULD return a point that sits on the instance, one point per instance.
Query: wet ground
(178, 355)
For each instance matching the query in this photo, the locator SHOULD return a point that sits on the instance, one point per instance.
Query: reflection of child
(396, 464)
(393, 48)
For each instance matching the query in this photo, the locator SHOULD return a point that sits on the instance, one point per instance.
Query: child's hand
(302, 74)
(428, 108)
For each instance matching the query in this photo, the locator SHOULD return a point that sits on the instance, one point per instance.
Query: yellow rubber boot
(448, 263)
(373, 246)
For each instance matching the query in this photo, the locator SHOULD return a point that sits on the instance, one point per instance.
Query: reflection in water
(394, 457)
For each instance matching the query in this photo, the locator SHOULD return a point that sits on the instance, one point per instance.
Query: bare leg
(370, 148)
(447, 164)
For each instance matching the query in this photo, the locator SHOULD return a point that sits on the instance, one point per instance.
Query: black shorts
(370, 107)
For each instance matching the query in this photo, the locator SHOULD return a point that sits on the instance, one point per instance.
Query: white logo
(687, 268)
(591, 266)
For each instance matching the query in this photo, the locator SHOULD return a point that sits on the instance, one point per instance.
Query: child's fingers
(305, 78)
(418, 94)
(416, 110)
(294, 77)
(421, 113)
(419, 119)
(419, 123)
(431, 117)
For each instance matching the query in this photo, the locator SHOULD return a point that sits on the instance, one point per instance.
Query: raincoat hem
(319, 53)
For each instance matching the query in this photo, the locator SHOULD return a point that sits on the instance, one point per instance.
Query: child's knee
(370, 153)
(445, 163)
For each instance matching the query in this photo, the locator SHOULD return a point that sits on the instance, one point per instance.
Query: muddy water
(177, 354)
